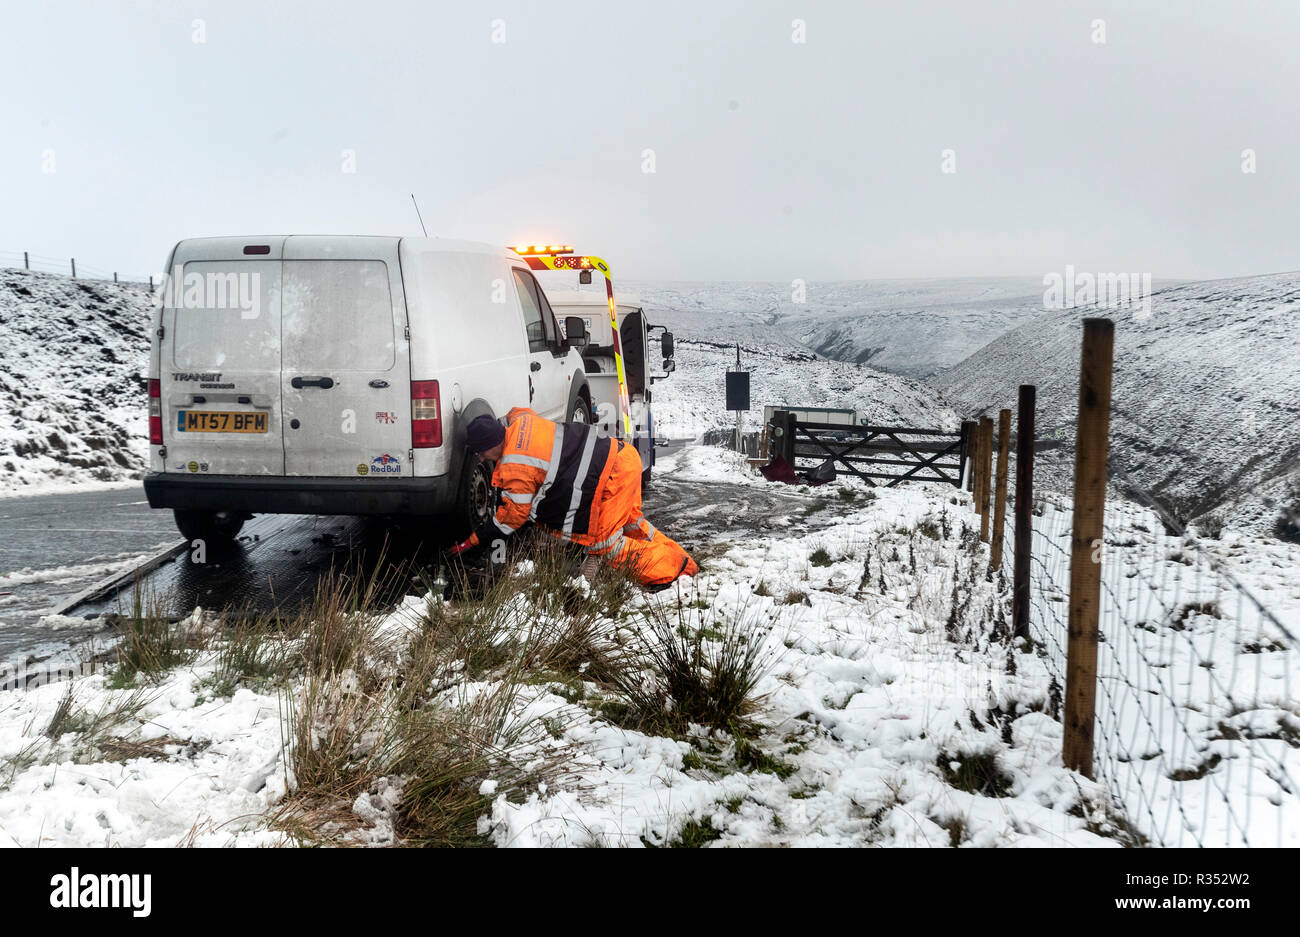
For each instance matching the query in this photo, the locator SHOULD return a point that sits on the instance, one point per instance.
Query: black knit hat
(483, 433)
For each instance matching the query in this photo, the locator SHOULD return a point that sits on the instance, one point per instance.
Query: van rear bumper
(264, 494)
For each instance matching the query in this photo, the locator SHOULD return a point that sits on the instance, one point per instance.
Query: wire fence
(1197, 734)
(68, 266)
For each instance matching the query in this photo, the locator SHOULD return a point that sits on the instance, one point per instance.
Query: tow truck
(616, 353)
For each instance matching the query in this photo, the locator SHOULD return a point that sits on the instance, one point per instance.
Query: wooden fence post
(986, 471)
(114, 276)
(27, 264)
(1000, 493)
(967, 455)
(785, 422)
(1090, 454)
(74, 268)
(1024, 538)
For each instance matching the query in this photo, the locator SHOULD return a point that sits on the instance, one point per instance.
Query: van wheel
(645, 478)
(474, 505)
(581, 411)
(210, 526)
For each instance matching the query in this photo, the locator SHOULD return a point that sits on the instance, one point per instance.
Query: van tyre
(581, 412)
(474, 503)
(645, 478)
(213, 527)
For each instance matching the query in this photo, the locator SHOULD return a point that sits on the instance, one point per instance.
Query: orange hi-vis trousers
(626, 538)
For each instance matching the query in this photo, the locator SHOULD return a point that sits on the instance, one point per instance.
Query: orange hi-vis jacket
(582, 486)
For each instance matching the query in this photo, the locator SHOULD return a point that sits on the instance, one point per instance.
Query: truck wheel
(215, 527)
(581, 411)
(474, 504)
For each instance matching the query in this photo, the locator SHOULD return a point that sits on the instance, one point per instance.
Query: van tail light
(155, 413)
(426, 415)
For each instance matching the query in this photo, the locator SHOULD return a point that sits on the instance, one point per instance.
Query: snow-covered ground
(887, 716)
(72, 381)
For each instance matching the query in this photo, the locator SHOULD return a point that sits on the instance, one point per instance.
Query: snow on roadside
(218, 769)
(865, 699)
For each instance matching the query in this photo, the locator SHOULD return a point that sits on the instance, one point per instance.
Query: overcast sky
(773, 159)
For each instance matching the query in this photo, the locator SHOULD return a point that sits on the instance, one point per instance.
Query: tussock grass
(441, 710)
(251, 651)
(975, 773)
(702, 671)
(820, 557)
(152, 644)
(96, 734)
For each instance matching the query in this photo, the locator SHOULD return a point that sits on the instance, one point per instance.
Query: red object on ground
(779, 470)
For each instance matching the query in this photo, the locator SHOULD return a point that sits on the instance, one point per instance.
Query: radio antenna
(418, 215)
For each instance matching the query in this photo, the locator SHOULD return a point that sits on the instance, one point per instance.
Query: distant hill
(1206, 396)
(73, 359)
(910, 327)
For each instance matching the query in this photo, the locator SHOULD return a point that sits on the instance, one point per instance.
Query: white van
(336, 375)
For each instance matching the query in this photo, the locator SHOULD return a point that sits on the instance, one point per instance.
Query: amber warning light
(535, 249)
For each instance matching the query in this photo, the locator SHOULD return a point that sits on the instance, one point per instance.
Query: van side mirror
(666, 344)
(575, 332)
(670, 365)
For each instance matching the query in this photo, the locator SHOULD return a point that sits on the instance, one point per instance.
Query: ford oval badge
(378, 384)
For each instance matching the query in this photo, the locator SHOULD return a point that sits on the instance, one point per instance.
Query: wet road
(53, 546)
(61, 544)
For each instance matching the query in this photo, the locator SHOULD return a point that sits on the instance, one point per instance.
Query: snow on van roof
(416, 244)
(450, 245)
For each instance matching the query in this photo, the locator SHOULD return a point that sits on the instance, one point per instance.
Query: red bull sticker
(385, 465)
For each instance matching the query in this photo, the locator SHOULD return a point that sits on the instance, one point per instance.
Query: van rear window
(337, 315)
(227, 315)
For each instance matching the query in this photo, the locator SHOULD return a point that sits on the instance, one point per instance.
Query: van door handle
(323, 382)
(535, 366)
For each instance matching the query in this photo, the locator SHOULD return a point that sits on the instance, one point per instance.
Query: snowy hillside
(693, 399)
(1206, 395)
(910, 327)
(73, 354)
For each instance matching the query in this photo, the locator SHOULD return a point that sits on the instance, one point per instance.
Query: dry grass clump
(152, 644)
(701, 672)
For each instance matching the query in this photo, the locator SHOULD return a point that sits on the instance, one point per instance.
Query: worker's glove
(464, 546)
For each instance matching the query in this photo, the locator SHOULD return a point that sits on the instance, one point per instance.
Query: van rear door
(345, 360)
(219, 369)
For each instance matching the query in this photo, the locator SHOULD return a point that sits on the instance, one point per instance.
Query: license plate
(218, 421)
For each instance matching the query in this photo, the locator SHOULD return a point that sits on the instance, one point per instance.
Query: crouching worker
(578, 484)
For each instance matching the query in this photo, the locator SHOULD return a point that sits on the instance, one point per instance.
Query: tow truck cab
(601, 367)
